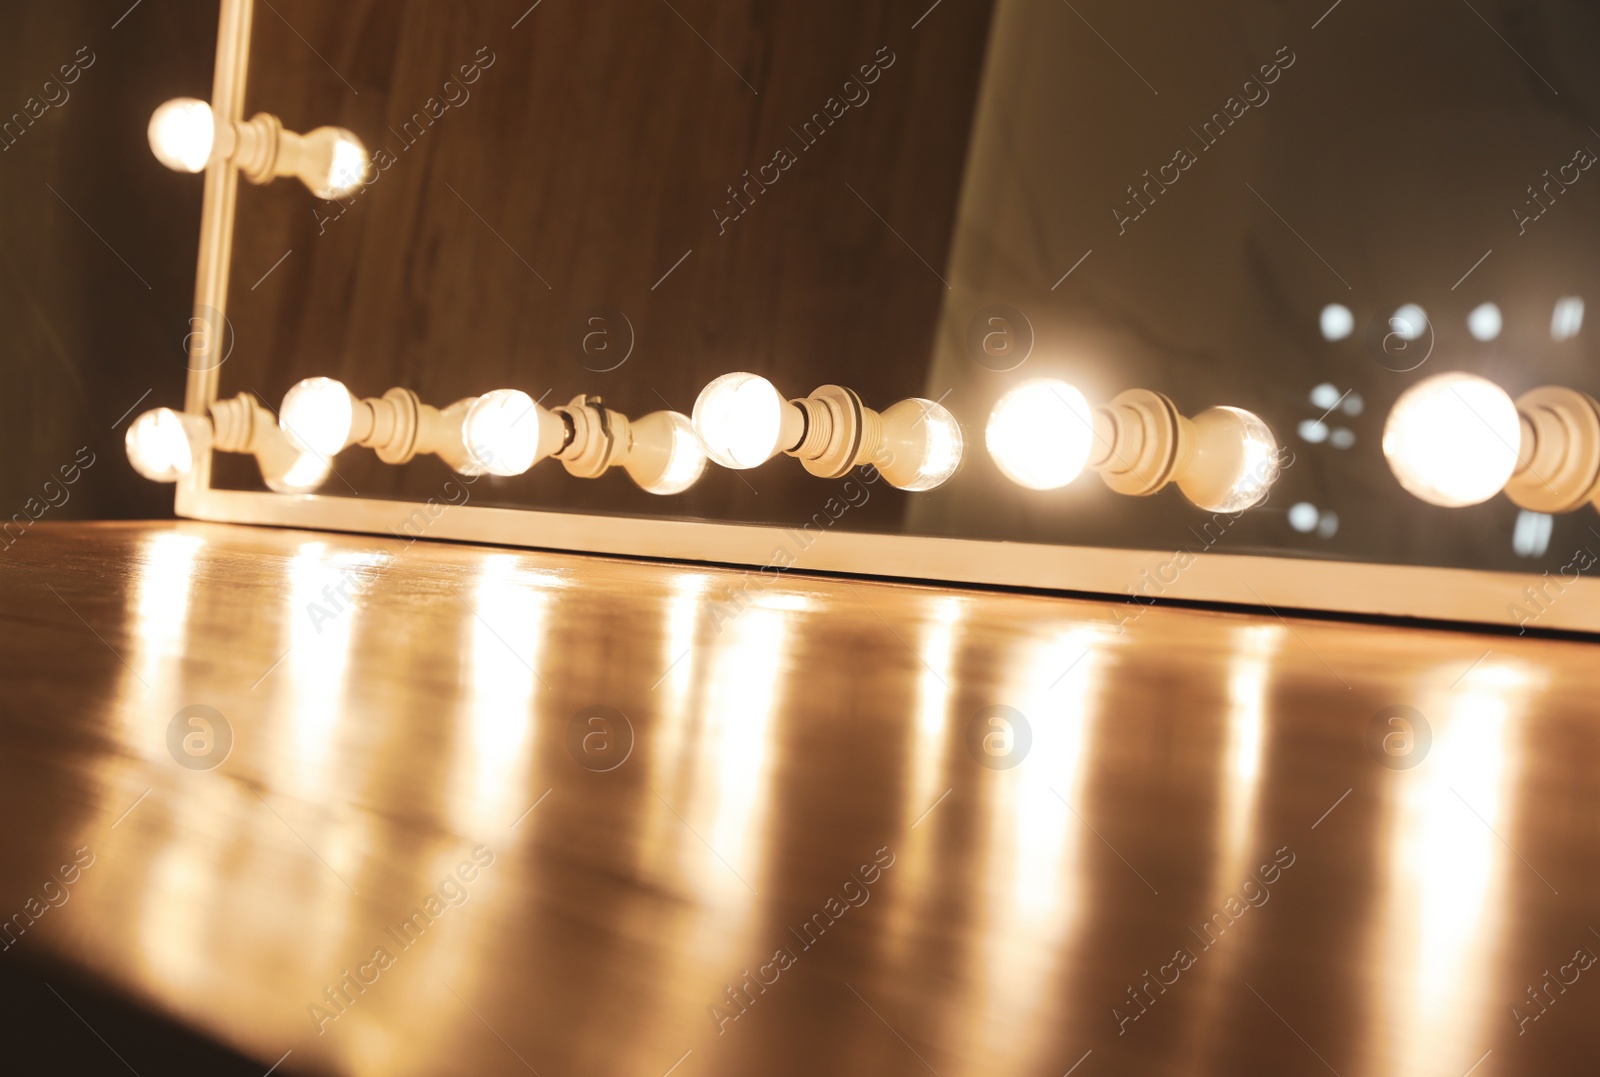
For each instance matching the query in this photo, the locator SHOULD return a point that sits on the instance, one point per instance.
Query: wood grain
(396, 708)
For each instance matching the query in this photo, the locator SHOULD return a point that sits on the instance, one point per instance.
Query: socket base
(1558, 465)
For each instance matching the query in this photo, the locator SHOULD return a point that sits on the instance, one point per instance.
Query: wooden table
(829, 848)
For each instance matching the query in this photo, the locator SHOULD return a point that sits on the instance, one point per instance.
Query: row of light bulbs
(1452, 439)
(1042, 435)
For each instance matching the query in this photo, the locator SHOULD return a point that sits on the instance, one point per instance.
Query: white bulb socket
(1558, 457)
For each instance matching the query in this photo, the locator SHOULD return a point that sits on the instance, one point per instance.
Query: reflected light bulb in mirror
(330, 160)
(1484, 322)
(1453, 439)
(501, 431)
(164, 444)
(182, 134)
(739, 418)
(308, 472)
(1336, 321)
(1040, 434)
(1234, 462)
(1409, 322)
(922, 445)
(317, 415)
(666, 457)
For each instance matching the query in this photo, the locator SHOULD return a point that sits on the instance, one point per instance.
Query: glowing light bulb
(1040, 434)
(163, 444)
(1235, 461)
(501, 432)
(317, 415)
(1453, 439)
(182, 134)
(1336, 321)
(1484, 322)
(1566, 321)
(739, 418)
(922, 445)
(1409, 322)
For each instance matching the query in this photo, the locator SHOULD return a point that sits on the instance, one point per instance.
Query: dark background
(97, 245)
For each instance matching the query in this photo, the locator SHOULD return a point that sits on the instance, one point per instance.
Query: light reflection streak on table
(405, 711)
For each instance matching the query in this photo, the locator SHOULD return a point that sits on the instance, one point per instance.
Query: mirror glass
(1294, 211)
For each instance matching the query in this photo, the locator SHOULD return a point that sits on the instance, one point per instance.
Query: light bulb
(317, 415)
(1336, 321)
(308, 472)
(739, 418)
(182, 134)
(922, 444)
(666, 457)
(501, 431)
(1484, 322)
(1235, 461)
(1453, 439)
(1040, 434)
(330, 160)
(163, 444)
(1409, 322)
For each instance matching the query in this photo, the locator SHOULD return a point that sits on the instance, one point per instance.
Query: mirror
(1296, 213)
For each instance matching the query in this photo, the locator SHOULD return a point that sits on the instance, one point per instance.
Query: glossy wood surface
(395, 708)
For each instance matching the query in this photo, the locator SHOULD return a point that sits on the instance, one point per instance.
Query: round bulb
(1484, 322)
(1336, 321)
(335, 162)
(182, 132)
(308, 472)
(686, 461)
(922, 442)
(501, 432)
(317, 415)
(163, 444)
(739, 418)
(1409, 322)
(1040, 434)
(1247, 448)
(1452, 439)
